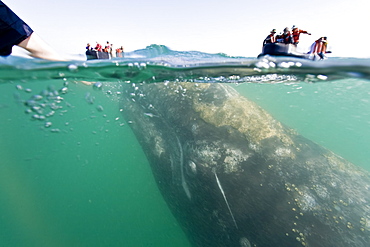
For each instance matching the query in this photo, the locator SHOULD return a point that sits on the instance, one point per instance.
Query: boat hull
(280, 49)
(97, 55)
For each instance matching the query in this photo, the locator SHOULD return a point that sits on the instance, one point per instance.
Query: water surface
(73, 174)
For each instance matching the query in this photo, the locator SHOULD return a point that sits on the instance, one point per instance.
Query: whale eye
(193, 167)
(244, 242)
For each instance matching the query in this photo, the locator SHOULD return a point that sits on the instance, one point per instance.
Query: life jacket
(269, 39)
(98, 47)
(287, 37)
(296, 34)
(318, 46)
(272, 38)
(119, 52)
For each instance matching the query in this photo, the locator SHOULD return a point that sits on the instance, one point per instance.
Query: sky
(233, 27)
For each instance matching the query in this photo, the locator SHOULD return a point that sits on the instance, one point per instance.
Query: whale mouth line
(183, 180)
(174, 158)
(223, 194)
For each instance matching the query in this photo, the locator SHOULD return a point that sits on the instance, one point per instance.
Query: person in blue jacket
(14, 31)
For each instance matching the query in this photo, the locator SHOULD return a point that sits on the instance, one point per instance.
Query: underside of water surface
(72, 172)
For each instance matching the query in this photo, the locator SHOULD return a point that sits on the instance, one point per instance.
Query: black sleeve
(12, 30)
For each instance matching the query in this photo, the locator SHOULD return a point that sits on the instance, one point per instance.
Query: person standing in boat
(296, 32)
(271, 38)
(119, 52)
(287, 36)
(89, 51)
(98, 47)
(122, 51)
(110, 50)
(108, 46)
(319, 48)
(88, 47)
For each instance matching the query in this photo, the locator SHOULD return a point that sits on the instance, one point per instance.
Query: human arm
(39, 49)
(14, 31)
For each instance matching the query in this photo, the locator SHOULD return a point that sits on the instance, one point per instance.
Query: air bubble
(72, 67)
(98, 85)
(100, 108)
(30, 103)
(64, 90)
(35, 116)
(51, 113)
(322, 77)
(48, 124)
(89, 98)
(37, 97)
(263, 65)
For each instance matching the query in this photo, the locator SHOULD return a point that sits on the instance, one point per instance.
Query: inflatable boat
(280, 49)
(90, 54)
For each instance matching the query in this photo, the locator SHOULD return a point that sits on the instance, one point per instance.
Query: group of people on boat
(107, 51)
(287, 37)
(319, 47)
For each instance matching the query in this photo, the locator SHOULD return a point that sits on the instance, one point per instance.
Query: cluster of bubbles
(46, 104)
(42, 107)
(263, 78)
(267, 64)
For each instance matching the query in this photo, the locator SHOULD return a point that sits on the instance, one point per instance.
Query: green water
(84, 181)
(334, 114)
(88, 184)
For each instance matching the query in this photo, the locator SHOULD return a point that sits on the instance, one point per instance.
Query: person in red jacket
(98, 47)
(271, 38)
(295, 33)
(319, 48)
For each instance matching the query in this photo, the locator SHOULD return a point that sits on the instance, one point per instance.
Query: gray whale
(232, 175)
